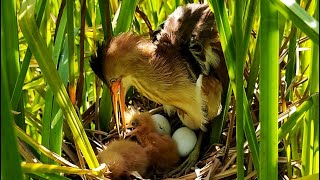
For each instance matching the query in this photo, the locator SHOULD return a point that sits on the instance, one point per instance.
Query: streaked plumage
(182, 67)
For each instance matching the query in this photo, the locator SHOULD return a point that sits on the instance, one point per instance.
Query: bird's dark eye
(113, 80)
(134, 123)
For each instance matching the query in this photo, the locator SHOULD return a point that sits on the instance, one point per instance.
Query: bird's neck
(144, 76)
(154, 76)
(149, 83)
(142, 135)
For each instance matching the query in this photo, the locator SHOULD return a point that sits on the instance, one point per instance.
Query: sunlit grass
(46, 77)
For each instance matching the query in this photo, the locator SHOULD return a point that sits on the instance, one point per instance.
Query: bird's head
(140, 123)
(117, 62)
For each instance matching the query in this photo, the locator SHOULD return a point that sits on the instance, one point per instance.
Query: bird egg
(185, 139)
(162, 124)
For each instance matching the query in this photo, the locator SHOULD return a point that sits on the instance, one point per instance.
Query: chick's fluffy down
(123, 157)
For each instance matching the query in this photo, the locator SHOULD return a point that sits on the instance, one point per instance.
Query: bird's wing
(190, 32)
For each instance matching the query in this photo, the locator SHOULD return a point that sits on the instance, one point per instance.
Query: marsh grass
(57, 113)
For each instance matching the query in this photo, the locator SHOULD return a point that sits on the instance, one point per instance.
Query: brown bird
(182, 67)
(124, 157)
(160, 148)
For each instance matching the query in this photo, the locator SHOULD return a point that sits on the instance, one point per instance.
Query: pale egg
(185, 139)
(162, 124)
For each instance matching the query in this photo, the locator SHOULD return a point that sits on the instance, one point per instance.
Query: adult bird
(182, 67)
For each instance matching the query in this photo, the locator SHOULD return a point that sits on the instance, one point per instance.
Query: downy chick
(124, 157)
(160, 148)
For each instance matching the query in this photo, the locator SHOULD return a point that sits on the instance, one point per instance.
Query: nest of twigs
(216, 161)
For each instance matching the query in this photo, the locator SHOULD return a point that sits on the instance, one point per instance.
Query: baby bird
(160, 148)
(124, 157)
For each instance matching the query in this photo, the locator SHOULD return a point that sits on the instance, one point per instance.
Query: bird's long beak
(118, 100)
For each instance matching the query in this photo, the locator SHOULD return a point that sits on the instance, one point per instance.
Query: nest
(216, 161)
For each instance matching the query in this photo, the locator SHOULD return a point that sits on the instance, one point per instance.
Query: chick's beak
(118, 100)
(130, 130)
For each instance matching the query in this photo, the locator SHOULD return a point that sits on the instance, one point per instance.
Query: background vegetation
(48, 90)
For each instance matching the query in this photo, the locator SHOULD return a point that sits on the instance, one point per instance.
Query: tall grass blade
(43, 56)
(295, 117)
(25, 64)
(301, 19)
(80, 84)
(238, 26)
(314, 88)
(125, 17)
(310, 145)
(254, 71)
(9, 19)
(105, 17)
(269, 91)
(10, 159)
(228, 47)
(105, 108)
(46, 124)
(226, 37)
(45, 168)
(47, 176)
(220, 120)
(71, 59)
(52, 133)
(53, 156)
(60, 37)
(291, 65)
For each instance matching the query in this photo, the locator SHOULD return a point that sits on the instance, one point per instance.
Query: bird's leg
(190, 161)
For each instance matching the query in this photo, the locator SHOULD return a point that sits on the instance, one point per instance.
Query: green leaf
(10, 158)
(227, 43)
(269, 90)
(295, 118)
(125, 17)
(53, 156)
(46, 168)
(306, 23)
(45, 61)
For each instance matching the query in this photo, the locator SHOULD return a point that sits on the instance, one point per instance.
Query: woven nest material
(216, 161)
